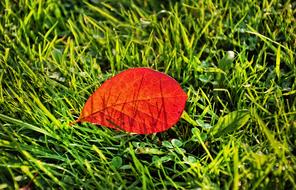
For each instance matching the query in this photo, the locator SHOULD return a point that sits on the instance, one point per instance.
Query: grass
(235, 60)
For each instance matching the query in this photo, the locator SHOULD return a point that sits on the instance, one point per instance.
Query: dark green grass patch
(235, 60)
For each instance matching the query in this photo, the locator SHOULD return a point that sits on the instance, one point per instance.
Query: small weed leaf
(227, 61)
(230, 122)
(197, 135)
(147, 150)
(167, 144)
(116, 162)
(176, 143)
(189, 159)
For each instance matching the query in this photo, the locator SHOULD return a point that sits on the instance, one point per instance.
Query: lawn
(234, 59)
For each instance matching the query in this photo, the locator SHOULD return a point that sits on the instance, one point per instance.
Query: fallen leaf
(138, 100)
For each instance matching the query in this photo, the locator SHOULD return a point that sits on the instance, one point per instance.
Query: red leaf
(138, 100)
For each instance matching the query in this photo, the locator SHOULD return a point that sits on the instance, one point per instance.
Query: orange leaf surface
(138, 100)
